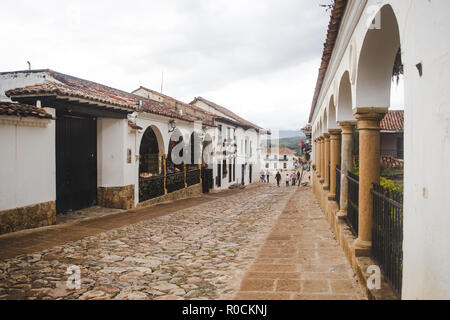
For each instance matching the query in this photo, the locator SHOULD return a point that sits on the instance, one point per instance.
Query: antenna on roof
(162, 80)
(29, 65)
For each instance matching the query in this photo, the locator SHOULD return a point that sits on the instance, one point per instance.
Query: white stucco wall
(27, 171)
(242, 157)
(20, 79)
(290, 163)
(423, 28)
(112, 143)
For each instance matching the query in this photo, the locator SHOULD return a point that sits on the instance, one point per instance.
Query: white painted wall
(242, 157)
(20, 79)
(112, 143)
(279, 160)
(27, 171)
(423, 27)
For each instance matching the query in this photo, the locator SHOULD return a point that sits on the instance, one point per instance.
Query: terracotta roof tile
(23, 110)
(391, 162)
(337, 13)
(393, 121)
(55, 88)
(228, 113)
(205, 116)
(84, 89)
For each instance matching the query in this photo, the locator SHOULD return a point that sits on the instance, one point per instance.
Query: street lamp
(172, 125)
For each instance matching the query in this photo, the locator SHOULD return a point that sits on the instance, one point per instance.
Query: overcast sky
(259, 58)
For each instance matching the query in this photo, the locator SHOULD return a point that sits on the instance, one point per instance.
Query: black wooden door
(250, 174)
(219, 175)
(243, 174)
(76, 162)
(234, 170)
(207, 180)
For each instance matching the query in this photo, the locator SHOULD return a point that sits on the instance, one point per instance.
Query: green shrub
(391, 185)
(384, 182)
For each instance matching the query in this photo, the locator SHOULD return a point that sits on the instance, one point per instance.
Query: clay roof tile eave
(337, 14)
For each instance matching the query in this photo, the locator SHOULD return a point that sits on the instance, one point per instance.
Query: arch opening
(332, 122)
(345, 105)
(195, 151)
(176, 153)
(207, 150)
(150, 152)
(377, 60)
(378, 66)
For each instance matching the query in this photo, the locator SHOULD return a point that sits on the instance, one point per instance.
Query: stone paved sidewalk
(301, 259)
(198, 252)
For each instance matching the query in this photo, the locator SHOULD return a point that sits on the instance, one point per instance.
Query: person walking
(268, 176)
(287, 179)
(263, 177)
(293, 178)
(278, 178)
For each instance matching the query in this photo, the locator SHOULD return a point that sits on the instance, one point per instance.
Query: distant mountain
(290, 133)
(293, 143)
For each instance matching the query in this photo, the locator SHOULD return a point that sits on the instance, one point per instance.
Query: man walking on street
(299, 177)
(278, 178)
(268, 176)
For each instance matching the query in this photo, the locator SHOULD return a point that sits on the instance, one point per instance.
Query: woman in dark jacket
(278, 178)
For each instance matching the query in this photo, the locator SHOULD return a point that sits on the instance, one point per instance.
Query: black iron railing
(387, 234)
(338, 186)
(175, 181)
(150, 188)
(193, 177)
(353, 202)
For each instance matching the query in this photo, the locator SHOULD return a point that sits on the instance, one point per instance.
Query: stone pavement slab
(300, 259)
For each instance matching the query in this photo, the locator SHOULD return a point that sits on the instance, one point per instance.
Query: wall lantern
(172, 125)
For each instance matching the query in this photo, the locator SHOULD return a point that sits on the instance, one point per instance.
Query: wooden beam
(74, 107)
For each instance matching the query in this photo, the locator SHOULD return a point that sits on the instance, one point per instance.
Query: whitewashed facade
(29, 171)
(279, 159)
(358, 77)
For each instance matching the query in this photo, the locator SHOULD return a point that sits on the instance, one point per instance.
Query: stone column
(326, 162)
(369, 171)
(160, 155)
(200, 170)
(322, 159)
(315, 154)
(165, 172)
(346, 163)
(318, 160)
(335, 158)
(185, 174)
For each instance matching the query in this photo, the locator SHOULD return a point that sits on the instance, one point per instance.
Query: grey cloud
(202, 46)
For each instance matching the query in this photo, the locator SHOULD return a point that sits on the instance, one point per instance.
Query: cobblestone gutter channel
(200, 252)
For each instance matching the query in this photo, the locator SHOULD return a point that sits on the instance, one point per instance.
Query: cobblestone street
(201, 252)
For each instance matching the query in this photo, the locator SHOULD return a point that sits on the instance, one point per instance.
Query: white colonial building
(69, 143)
(279, 159)
(366, 38)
